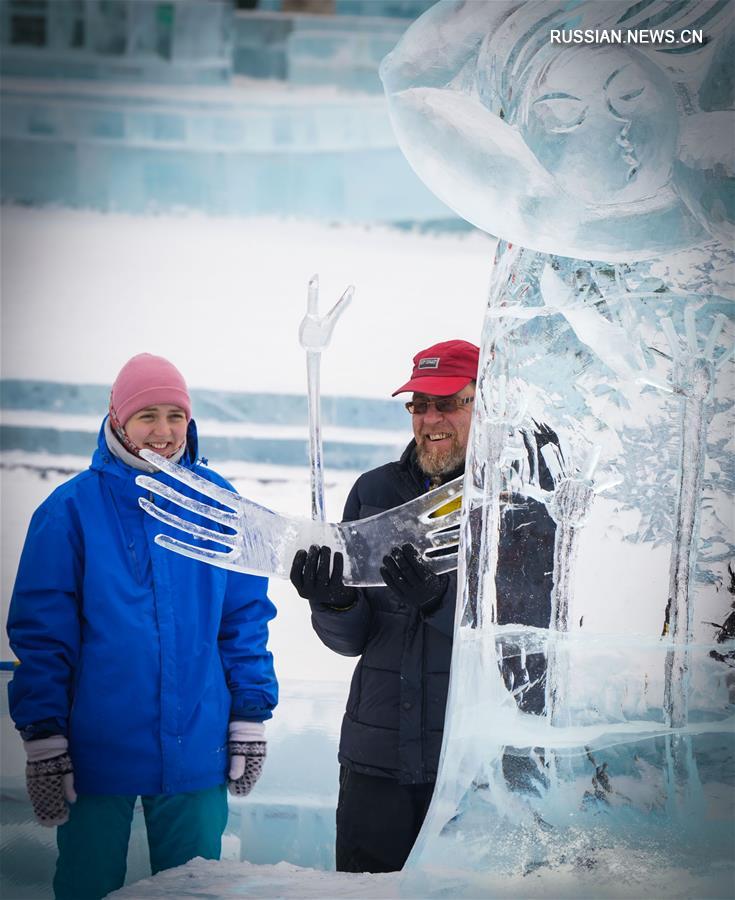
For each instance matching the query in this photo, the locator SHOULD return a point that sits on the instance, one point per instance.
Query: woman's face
(160, 428)
(603, 122)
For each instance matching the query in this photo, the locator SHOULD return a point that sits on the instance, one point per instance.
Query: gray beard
(434, 463)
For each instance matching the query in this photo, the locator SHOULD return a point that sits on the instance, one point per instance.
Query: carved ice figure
(593, 151)
(693, 379)
(619, 136)
(315, 333)
(622, 756)
(618, 160)
(236, 533)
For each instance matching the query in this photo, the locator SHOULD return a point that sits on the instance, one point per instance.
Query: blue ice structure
(145, 107)
(343, 48)
(593, 753)
(44, 420)
(181, 41)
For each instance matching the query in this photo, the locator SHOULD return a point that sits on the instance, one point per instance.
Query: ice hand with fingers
(235, 533)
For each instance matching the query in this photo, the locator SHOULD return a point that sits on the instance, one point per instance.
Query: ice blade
(312, 296)
(445, 539)
(339, 307)
(441, 564)
(690, 329)
(667, 326)
(428, 506)
(449, 520)
(715, 331)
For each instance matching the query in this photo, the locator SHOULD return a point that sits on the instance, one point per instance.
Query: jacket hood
(102, 455)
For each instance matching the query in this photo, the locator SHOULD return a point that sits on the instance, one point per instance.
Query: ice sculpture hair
(610, 152)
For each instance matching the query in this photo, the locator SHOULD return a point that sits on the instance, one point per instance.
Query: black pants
(378, 821)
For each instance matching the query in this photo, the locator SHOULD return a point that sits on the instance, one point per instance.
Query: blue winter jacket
(139, 655)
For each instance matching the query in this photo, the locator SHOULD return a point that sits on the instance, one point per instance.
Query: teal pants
(93, 844)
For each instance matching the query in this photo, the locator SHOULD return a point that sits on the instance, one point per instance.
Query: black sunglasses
(442, 404)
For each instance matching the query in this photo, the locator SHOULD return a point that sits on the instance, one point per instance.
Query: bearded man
(393, 725)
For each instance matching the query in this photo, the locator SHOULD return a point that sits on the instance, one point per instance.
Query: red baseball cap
(443, 369)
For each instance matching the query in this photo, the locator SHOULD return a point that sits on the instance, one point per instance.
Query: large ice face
(615, 141)
(612, 152)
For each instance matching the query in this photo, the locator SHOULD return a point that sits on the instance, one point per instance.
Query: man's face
(441, 437)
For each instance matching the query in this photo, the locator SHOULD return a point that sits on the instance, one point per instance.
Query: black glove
(411, 579)
(310, 576)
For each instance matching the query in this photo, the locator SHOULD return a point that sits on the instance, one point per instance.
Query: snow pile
(208, 878)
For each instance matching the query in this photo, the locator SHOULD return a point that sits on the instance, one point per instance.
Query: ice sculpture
(315, 333)
(236, 533)
(607, 172)
(609, 152)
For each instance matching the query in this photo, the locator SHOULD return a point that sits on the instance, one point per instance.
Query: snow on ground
(205, 878)
(623, 880)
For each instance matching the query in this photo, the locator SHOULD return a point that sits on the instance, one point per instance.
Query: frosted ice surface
(608, 152)
(603, 739)
(609, 735)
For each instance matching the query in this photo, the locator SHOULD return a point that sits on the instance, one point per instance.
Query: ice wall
(40, 417)
(182, 41)
(132, 106)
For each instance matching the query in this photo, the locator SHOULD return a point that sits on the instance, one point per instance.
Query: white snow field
(223, 298)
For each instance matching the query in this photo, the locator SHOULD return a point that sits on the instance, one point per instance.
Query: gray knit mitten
(247, 754)
(246, 766)
(50, 780)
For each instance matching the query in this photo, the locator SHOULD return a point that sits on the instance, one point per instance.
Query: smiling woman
(179, 716)
(159, 428)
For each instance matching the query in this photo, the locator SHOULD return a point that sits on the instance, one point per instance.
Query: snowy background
(223, 298)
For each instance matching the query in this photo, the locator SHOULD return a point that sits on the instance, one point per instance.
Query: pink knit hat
(146, 380)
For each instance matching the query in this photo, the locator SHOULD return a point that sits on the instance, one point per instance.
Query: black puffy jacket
(394, 719)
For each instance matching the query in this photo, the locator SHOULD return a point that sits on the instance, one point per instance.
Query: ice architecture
(596, 754)
(137, 106)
